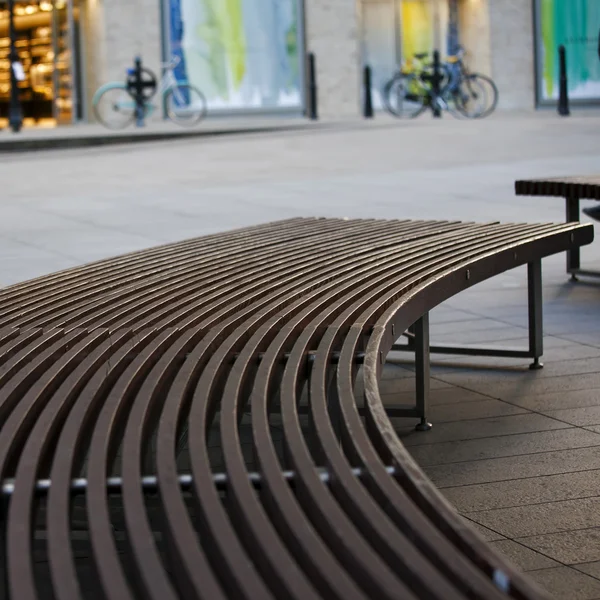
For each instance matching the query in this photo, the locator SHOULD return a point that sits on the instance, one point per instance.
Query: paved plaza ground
(517, 452)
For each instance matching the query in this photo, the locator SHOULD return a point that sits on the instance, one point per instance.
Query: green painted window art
(576, 24)
(243, 54)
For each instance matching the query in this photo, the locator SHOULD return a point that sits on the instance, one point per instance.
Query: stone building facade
(249, 56)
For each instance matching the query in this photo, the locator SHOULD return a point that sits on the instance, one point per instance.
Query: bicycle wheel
(491, 93)
(185, 104)
(469, 99)
(114, 108)
(404, 97)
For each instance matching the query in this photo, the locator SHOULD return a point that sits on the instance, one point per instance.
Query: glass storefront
(242, 54)
(46, 39)
(395, 30)
(575, 24)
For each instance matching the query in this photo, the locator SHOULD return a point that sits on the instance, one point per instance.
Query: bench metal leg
(419, 344)
(573, 256)
(4, 500)
(536, 341)
(536, 321)
(422, 364)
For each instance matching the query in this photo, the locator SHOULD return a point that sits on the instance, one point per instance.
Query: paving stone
(591, 568)
(481, 428)
(523, 557)
(466, 324)
(565, 583)
(447, 397)
(567, 547)
(448, 363)
(484, 337)
(487, 534)
(446, 314)
(473, 410)
(559, 400)
(507, 445)
(589, 415)
(570, 351)
(541, 519)
(520, 492)
(407, 384)
(593, 339)
(515, 467)
(552, 369)
(396, 371)
(526, 384)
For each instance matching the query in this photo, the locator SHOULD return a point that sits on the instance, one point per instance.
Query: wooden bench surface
(581, 187)
(156, 441)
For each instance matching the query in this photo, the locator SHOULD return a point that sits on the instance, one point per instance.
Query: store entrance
(45, 39)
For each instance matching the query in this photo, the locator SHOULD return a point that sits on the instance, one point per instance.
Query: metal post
(368, 96)
(422, 370)
(140, 108)
(563, 95)
(573, 255)
(4, 501)
(312, 88)
(435, 85)
(15, 114)
(536, 322)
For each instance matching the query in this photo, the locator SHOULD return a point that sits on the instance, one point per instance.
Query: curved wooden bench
(184, 422)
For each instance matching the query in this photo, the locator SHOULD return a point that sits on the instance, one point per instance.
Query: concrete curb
(134, 137)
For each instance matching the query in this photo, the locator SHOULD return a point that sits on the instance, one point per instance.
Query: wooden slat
(582, 187)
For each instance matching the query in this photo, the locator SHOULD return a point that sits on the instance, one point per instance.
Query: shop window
(242, 54)
(43, 41)
(393, 31)
(576, 24)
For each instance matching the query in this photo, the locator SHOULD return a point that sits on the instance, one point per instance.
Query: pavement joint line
(474, 419)
(480, 483)
(488, 510)
(537, 552)
(504, 435)
(575, 565)
(538, 412)
(464, 516)
(459, 462)
(39, 247)
(527, 537)
(107, 139)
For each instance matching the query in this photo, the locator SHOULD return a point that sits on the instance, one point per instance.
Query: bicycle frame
(167, 81)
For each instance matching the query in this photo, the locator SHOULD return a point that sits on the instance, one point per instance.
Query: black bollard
(563, 93)
(140, 102)
(435, 85)
(15, 111)
(368, 95)
(312, 88)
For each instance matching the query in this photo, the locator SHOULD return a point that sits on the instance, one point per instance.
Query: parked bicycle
(462, 77)
(462, 93)
(184, 104)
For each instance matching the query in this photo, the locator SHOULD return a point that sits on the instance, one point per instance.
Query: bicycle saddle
(421, 55)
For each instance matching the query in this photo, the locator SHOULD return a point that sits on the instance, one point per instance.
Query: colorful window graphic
(416, 27)
(242, 54)
(576, 24)
(394, 31)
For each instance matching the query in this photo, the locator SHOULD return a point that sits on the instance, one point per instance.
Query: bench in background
(572, 189)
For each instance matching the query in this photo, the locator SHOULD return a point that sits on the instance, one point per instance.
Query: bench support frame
(573, 214)
(418, 342)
